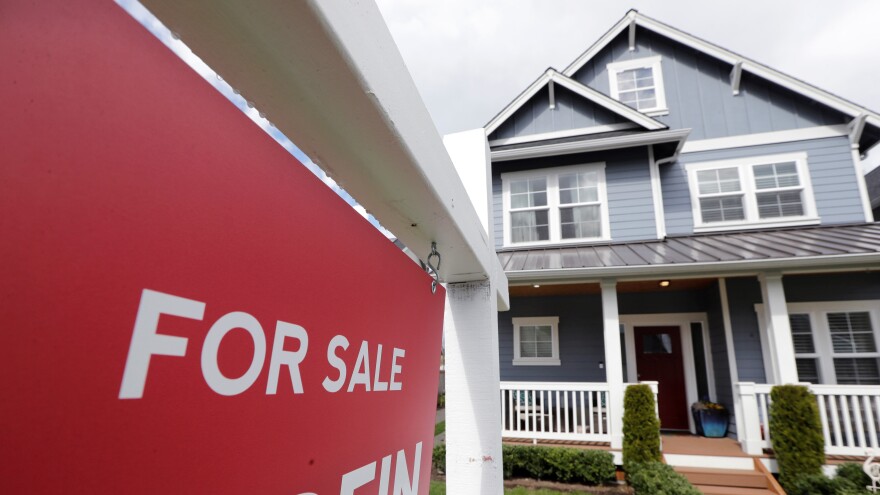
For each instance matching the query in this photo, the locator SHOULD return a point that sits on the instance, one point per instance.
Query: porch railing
(577, 411)
(850, 417)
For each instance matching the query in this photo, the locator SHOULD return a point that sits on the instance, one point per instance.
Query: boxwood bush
(819, 484)
(590, 467)
(656, 478)
(641, 428)
(796, 434)
(854, 473)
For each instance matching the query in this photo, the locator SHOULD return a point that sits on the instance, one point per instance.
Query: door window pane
(660, 343)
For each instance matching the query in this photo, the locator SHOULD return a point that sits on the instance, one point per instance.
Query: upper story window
(762, 191)
(536, 341)
(555, 205)
(639, 84)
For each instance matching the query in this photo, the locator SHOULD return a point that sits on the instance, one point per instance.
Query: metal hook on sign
(432, 270)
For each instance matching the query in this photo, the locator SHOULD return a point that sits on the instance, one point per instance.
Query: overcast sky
(469, 58)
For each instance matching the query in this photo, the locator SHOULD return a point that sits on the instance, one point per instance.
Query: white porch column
(473, 397)
(778, 327)
(613, 361)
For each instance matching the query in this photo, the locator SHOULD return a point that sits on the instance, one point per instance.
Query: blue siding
(742, 295)
(581, 338)
(572, 112)
(835, 187)
(699, 95)
(628, 181)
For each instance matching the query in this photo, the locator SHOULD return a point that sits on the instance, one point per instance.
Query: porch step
(711, 481)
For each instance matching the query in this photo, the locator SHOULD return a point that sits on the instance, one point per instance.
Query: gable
(699, 93)
(569, 111)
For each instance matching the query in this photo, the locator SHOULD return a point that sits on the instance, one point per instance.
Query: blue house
(670, 212)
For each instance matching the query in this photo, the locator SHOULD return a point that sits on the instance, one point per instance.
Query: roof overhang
(861, 261)
(675, 137)
(634, 18)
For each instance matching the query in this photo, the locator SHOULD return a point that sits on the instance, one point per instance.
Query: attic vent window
(639, 84)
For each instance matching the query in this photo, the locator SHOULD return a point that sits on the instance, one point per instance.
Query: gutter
(701, 269)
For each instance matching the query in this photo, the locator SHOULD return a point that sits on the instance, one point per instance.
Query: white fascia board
(328, 74)
(607, 102)
(704, 269)
(611, 143)
(546, 136)
(518, 102)
(758, 139)
(729, 57)
(600, 43)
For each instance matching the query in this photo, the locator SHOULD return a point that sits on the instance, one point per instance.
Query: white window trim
(750, 202)
(824, 350)
(553, 322)
(653, 63)
(552, 175)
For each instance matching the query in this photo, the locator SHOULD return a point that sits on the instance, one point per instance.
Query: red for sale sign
(185, 308)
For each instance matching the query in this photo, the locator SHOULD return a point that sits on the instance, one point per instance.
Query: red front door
(659, 358)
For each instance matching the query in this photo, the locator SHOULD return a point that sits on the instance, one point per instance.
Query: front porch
(732, 338)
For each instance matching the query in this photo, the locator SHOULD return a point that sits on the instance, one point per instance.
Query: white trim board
(594, 96)
(726, 56)
(763, 138)
(582, 131)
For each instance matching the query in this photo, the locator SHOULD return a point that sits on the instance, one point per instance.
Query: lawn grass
(439, 428)
(439, 488)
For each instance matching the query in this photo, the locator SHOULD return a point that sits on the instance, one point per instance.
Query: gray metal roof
(812, 245)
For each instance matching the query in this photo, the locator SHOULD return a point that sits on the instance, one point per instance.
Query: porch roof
(777, 249)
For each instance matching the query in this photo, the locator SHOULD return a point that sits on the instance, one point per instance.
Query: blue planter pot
(711, 423)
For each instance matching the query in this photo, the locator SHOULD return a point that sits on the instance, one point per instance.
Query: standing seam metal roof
(702, 248)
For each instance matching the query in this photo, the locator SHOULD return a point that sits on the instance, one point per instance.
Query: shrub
(650, 478)
(796, 434)
(854, 473)
(641, 428)
(439, 457)
(819, 484)
(591, 467)
(441, 401)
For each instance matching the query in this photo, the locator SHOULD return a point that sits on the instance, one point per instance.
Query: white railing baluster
(823, 417)
(557, 404)
(565, 413)
(847, 421)
(583, 414)
(835, 422)
(857, 418)
(590, 411)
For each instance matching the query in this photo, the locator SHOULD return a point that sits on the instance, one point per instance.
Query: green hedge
(656, 478)
(590, 467)
(819, 484)
(797, 434)
(641, 428)
(854, 473)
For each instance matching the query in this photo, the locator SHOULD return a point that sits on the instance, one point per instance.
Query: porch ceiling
(622, 287)
(701, 255)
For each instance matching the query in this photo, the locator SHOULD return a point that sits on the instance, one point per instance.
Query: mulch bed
(559, 487)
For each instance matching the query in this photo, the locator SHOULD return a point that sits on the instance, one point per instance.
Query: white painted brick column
(473, 396)
(613, 361)
(779, 328)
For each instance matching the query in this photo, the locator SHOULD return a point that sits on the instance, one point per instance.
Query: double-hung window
(762, 191)
(639, 84)
(836, 342)
(555, 205)
(536, 341)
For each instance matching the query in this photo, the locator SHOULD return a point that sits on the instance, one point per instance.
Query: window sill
(565, 243)
(755, 225)
(658, 112)
(537, 362)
